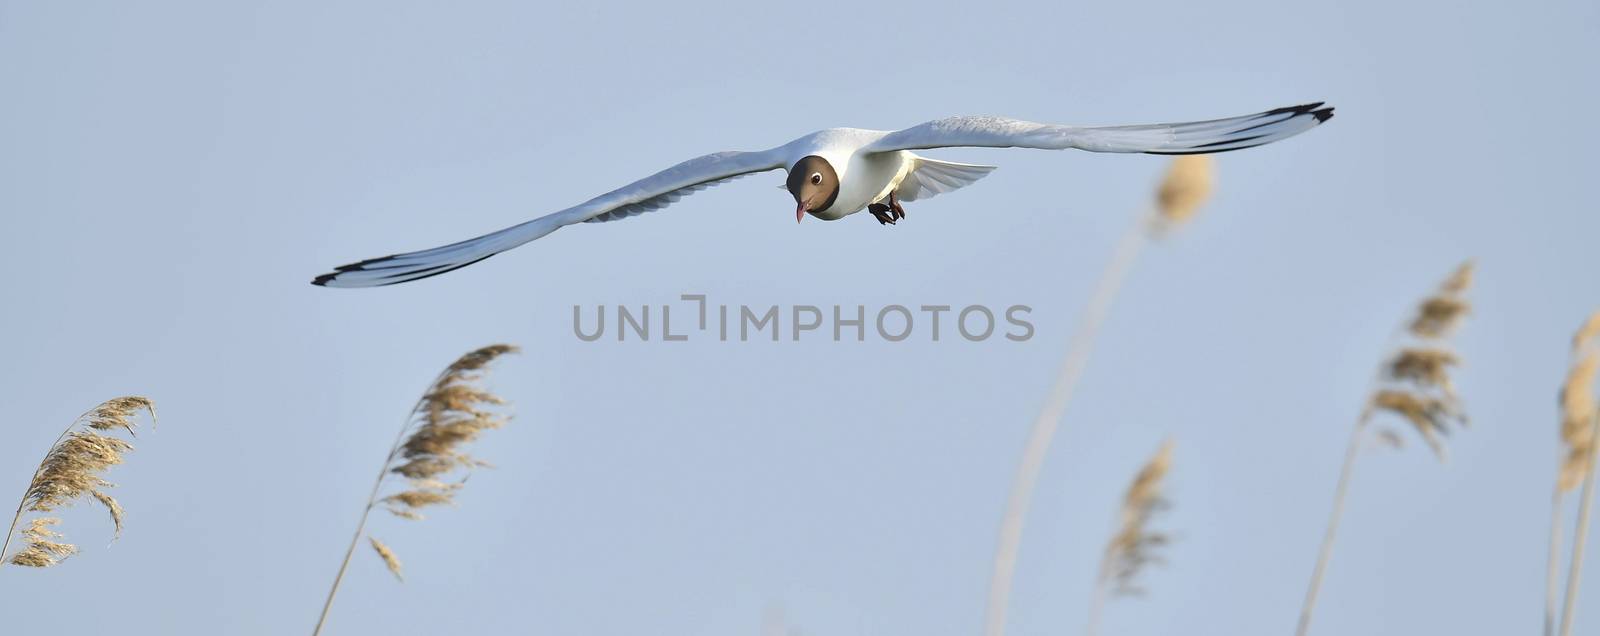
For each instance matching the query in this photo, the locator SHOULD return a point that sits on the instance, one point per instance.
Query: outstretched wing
(650, 193)
(1197, 137)
(929, 177)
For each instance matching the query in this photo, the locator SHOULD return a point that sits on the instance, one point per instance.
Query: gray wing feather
(650, 193)
(1198, 137)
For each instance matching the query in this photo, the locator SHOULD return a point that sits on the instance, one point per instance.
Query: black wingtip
(1298, 110)
(405, 276)
(371, 263)
(1295, 109)
(1320, 110)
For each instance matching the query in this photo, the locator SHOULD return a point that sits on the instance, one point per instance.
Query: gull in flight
(837, 172)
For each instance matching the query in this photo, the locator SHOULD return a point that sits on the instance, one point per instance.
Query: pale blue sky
(172, 174)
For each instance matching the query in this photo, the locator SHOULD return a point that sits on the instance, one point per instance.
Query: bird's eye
(816, 178)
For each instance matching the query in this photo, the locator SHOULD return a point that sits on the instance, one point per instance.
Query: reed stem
(1044, 428)
(1325, 553)
(372, 501)
(1553, 565)
(1569, 605)
(1097, 603)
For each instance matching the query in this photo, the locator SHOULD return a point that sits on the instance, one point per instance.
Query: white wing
(650, 193)
(930, 177)
(1198, 137)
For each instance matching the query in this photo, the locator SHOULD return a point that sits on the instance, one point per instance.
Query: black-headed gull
(837, 172)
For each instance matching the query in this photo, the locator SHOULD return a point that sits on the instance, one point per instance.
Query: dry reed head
(388, 556)
(1578, 408)
(1429, 415)
(1187, 186)
(1134, 544)
(42, 549)
(1441, 313)
(1588, 335)
(1416, 383)
(455, 410)
(1423, 368)
(72, 471)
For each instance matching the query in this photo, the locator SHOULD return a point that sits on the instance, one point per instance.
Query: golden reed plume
(454, 411)
(71, 472)
(1188, 184)
(1413, 384)
(1580, 427)
(1578, 404)
(389, 559)
(1134, 544)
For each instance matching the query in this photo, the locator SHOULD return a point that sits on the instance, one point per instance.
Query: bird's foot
(883, 213)
(888, 213)
(894, 206)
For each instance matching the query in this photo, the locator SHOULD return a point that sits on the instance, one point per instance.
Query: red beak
(800, 212)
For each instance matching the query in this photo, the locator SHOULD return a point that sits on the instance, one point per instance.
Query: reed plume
(1578, 405)
(1187, 185)
(71, 472)
(1580, 426)
(1413, 385)
(1134, 544)
(453, 411)
(389, 559)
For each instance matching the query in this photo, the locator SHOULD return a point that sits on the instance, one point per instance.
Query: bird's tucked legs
(887, 214)
(882, 213)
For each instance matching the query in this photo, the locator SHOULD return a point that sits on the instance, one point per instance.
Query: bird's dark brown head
(814, 185)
